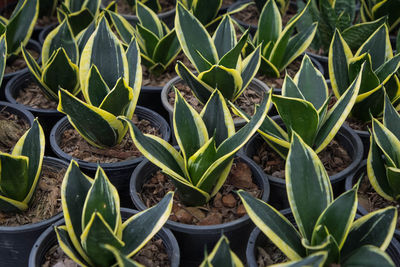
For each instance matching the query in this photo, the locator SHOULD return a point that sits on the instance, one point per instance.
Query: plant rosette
(24, 90)
(48, 239)
(368, 199)
(14, 121)
(166, 16)
(258, 239)
(16, 241)
(118, 172)
(193, 239)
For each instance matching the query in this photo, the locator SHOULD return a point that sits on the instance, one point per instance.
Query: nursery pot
(193, 239)
(47, 117)
(16, 241)
(346, 137)
(150, 97)
(49, 239)
(255, 85)
(33, 45)
(257, 238)
(167, 17)
(18, 110)
(45, 31)
(352, 180)
(118, 172)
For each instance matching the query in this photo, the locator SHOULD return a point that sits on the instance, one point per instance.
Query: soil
(334, 157)
(228, 2)
(46, 201)
(250, 15)
(291, 70)
(124, 8)
(246, 101)
(357, 124)
(224, 207)
(19, 62)
(46, 20)
(75, 145)
(372, 201)
(153, 254)
(269, 254)
(320, 52)
(12, 128)
(33, 96)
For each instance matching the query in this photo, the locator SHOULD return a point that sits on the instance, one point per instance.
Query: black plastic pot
(150, 97)
(257, 238)
(49, 239)
(33, 45)
(16, 242)
(18, 110)
(45, 31)
(255, 84)
(118, 172)
(47, 117)
(345, 136)
(352, 180)
(193, 239)
(168, 17)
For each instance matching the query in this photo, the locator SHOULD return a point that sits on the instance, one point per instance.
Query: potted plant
(304, 107)
(218, 62)
(18, 29)
(335, 15)
(38, 89)
(94, 234)
(110, 79)
(379, 76)
(208, 144)
(326, 227)
(28, 199)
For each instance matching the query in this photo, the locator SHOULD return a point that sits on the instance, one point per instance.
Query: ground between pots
(153, 254)
(46, 201)
(224, 207)
(12, 127)
(72, 143)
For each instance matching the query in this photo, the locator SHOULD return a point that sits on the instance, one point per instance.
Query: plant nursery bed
(46, 201)
(153, 254)
(335, 159)
(12, 127)
(224, 207)
(124, 8)
(34, 97)
(75, 145)
(18, 63)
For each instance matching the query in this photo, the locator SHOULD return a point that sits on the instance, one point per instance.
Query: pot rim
(109, 166)
(33, 226)
(216, 228)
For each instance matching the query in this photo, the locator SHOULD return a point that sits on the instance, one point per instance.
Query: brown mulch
(153, 254)
(224, 207)
(334, 158)
(33, 96)
(269, 254)
(245, 101)
(12, 128)
(357, 124)
(75, 145)
(124, 8)
(372, 201)
(19, 62)
(46, 201)
(291, 70)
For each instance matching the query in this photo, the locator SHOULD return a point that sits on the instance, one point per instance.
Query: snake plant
(110, 80)
(278, 47)
(217, 60)
(283, 5)
(383, 172)
(79, 14)
(3, 56)
(94, 234)
(221, 256)
(332, 15)
(158, 44)
(207, 144)
(60, 58)
(324, 225)
(375, 9)
(379, 74)
(20, 170)
(303, 107)
(19, 26)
